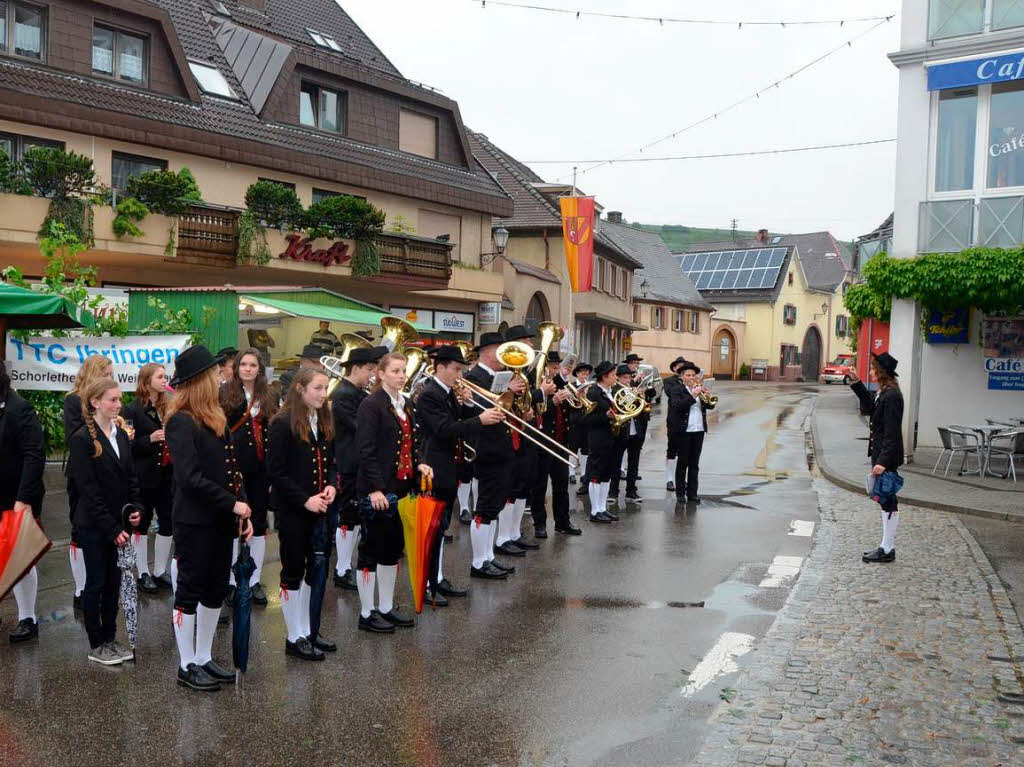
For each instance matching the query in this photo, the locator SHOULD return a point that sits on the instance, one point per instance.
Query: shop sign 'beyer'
(301, 249)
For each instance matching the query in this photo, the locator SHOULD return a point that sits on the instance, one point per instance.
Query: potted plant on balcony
(274, 205)
(66, 178)
(345, 217)
(162, 192)
(11, 179)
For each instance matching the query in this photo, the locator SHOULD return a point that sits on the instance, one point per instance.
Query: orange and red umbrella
(22, 544)
(421, 518)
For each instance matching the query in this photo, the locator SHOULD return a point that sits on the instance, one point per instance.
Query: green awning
(22, 309)
(350, 311)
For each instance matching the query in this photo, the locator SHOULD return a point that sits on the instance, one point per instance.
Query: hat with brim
(312, 352)
(518, 333)
(582, 366)
(449, 353)
(623, 370)
(192, 362)
(603, 368)
(634, 358)
(687, 365)
(887, 362)
(676, 361)
(554, 357)
(489, 339)
(362, 355)
(228, 351)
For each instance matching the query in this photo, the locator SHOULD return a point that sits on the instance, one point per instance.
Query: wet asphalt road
(593, 653)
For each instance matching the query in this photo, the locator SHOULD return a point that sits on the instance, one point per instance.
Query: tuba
(335, 366)
(517, 357)
(549, 335)
(416, 361)
(467, 351)
(396, 333)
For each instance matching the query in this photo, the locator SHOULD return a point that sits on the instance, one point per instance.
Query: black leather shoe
(25, 630)
(879, 555)
(163, 581)
(540, 533)
(525, 544)
(229, 600)
(633, 497)
(346, 581)
(613, 495)
(670, 486)
(375, 624)
(76, 602)
(325, 645)
(489, 572)
(435, 599)
(302, 649)
(509, 549)
(259, 596)
(600, 518)
(612, 517)
(218, 672)
(147, 584)
(195, 678)
(398, 620)
(446, 588)
(506, 568)
(569, 529)
(465, 517)
(693, 499)
(583, 490)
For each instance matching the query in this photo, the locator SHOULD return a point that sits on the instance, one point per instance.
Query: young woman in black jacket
(22, 461)
(209, 511)
(302, 475)
(389, 450)
(93, 369)
(885, 443)
(249, 406)
(144, 416)
(103, 471)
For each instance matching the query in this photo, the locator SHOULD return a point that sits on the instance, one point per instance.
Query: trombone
(554, 449)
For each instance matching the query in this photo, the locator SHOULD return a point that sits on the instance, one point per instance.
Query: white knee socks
(493, 540)
(889, 525)
(258, 549)
(366, 580)
(476, 496)
(77, 560)
(304, 600)
(463, 491)
(346, 541)
(583, 465)
(504, 524)
(25, 592)
(480, 538)
(594, 489)
(516, 520)
(234, 558)
(440, 558)
(605, 489)
(161, 553)
(386, 577)
(670, 469)
(206, 627)
(174, 573)
(185, 636)
(291, 608)
(141, 544)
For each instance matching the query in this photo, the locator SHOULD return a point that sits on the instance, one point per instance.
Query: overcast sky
(548, 87)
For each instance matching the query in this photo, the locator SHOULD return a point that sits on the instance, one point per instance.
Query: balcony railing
(419, 258)
(947, 226)
(954, 18)
(208, 235)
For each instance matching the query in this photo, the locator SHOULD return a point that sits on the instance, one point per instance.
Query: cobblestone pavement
(910, 663)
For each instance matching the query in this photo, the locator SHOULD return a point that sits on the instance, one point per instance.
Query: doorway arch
(537, 311)
(810, 355)
(723, 354)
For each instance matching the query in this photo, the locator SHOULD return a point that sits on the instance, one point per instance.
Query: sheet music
(501, 381)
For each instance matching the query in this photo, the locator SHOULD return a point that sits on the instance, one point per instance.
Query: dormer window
(119, 54)
(322, 108)
(22, 29)
(323, 40)
(211, 80)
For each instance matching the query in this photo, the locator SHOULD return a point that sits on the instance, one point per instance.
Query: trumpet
(536, 436)
(706, 397)
(578, 397)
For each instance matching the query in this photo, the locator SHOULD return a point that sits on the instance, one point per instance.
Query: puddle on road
(735, 598)
(609, 603)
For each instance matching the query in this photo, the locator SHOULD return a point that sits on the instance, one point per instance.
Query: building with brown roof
(287, 90)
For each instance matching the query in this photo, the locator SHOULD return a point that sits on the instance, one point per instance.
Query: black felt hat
(603, 368)
(489, 339)
(312, 352)
(887, 362)
(623, 370)
(228, 351)
(518, 333)
(687, 365)
(554, 357)
(676, 361)
(363, 354)
(450, 353)
(582, 366)
(634, 357)
(193, 361)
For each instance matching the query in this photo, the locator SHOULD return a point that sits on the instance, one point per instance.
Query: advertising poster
(1003, 343)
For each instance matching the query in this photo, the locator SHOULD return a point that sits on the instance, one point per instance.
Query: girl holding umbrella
(388, 443)
(103, 473)
(302, 473)
(153, 469)
(249, 406)
(209, 507)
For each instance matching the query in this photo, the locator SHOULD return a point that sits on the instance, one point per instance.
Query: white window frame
(693, 326)
(231, 95)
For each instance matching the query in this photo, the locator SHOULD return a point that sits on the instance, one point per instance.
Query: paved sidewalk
(840, 449)
(905, 663)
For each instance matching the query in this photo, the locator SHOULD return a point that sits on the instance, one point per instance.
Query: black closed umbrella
(243, 568)
(321, 553)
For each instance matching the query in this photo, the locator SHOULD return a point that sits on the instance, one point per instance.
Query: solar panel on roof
(754, 269)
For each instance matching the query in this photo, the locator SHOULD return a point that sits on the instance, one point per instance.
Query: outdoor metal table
(985, 434)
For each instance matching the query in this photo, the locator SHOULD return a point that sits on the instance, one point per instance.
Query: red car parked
(838, 371)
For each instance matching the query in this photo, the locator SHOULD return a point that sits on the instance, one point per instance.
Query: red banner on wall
(578, 239)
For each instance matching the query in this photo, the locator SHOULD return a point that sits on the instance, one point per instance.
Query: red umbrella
(22, 544)
(421, 517)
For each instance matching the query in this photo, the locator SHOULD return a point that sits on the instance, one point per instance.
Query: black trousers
(159, 499)
(548, 468)
(447, 495)
(102, 587)
(381, 540)
(672, 450)
(618, 451)
(524, 471)
(633, 449)
(204, 562)
(348, 503)
(257, 495)
(689, 445)
(495, 485)
(295, 531)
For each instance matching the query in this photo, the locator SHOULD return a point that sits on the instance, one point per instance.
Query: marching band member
(672, 383)
(22, 461)
(637, 432)
(443, 435)
(208, 504)
(153, 469)
(249, 407)
(349, 394)
(93, 369)
(103, 471)
(578, 431)
(688, 422)
(308, 358)
(388, 442)
(601, 442)
(623, 380)
(226, 367)
(300, 465)
(494, 453)
(555, 423)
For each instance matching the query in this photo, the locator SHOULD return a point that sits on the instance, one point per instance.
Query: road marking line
(781, 571)
(801, 527)
(719, 661)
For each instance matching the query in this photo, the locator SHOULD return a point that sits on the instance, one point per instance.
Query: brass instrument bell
(517, 357)
(396, 333)
(549, 334)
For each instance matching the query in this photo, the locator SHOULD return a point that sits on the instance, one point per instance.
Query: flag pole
(572, 317)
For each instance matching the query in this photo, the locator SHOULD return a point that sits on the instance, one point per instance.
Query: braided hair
(95, 390)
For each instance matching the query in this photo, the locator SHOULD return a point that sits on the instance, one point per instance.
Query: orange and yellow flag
(578, 240)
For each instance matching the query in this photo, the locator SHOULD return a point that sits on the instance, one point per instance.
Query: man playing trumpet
(688, 423)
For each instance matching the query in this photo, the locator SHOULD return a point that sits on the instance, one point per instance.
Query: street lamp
(500, 237)
(645, 288)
